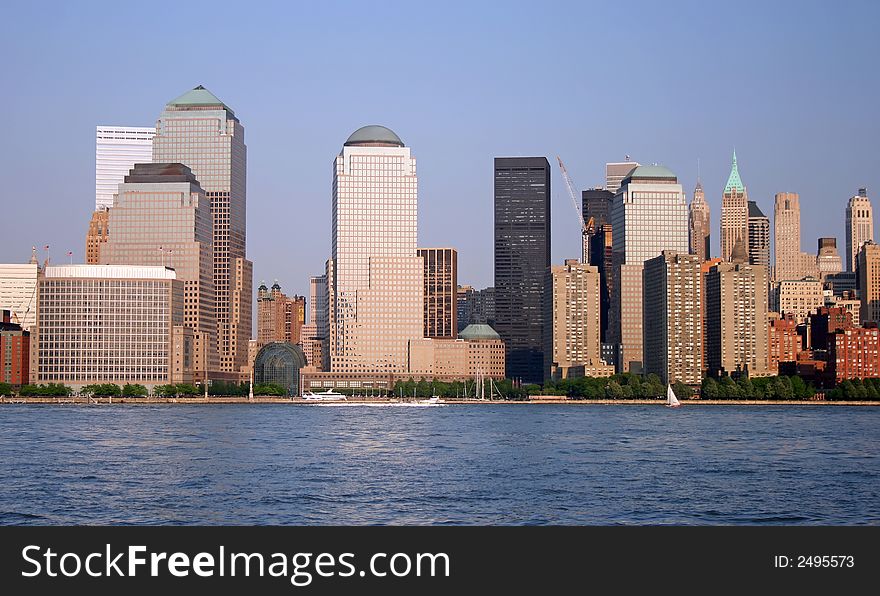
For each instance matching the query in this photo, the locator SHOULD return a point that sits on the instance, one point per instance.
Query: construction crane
(587, 227)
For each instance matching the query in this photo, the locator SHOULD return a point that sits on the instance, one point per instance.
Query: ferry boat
(328, 395)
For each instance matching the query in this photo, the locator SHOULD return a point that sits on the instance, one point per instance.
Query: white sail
(671, 400)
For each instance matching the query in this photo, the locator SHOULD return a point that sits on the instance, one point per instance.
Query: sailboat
(671, 400)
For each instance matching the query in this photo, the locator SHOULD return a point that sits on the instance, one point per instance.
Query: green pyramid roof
(733, 181)
(198, 97)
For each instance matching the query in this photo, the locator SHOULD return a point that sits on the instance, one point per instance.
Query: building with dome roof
(374, 275)
(649, 215)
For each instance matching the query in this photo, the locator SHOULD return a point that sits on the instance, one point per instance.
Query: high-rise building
(759, 236)
(734, 213)
(859, 226)
(787, 236)
(828, 261)
(18, 292)
(15, 351)
(784, 341)
(280, 318)
(200, 131)
(824, 322)
(117, 149)
(615, 172)
(441, 292)
(571, 312)
(161, 217)
(522, 256)
(699, 224)
(475, 306)
(854, 353)
(602, 257)
(799, 297)
(649, 216)
(737, 326)
(375, 278)
(596, 204)
(111, 324)
(868, 264)
(672, 320)
(99, 232)
(314, 333)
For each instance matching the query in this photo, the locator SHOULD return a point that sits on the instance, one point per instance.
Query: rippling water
(278, 464)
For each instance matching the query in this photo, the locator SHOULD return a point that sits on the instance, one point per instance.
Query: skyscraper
(99, 232)
(649, 216)
(117, 149)
(596, 204)
(601, 256)
(314, 333)
(200, 131)
(859, 226)
(787, 236)
(615, 172)
(280, 318)
(672, 320)
(737, 333)
(868, 264)
(18, 292)
(571, 312)
(161, 217)
(734, 213)
(828, 261)
(522, 255)
(441, 292)
(699, 225)
(759, 236)
(375, 278)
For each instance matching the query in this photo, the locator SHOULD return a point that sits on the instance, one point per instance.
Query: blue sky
(793, 86)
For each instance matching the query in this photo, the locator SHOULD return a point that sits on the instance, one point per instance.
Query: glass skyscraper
(522, 256)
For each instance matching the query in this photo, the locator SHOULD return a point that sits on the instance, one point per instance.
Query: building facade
(475, 306)
(615, 172)
(201, 132)
(859, 226)
(787, 236)
(522, 256)
(734, 213)
(868, 269)
(783, 341)
(799, 297)
(737, 319)
(117, 149)
(162, 217)
(855, 353)
(108, 324)
(828, 261)
(18, 292)
(280, 318)
(375, 278)
(649, 216)
(99, 232)
(759, 237)
(699, 224)
(672, 317)
(596, 204)
(15, 352)
(478, 353)
(441, 292)
(572, 314)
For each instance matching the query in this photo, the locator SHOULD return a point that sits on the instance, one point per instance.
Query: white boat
(671, 400)
(328, 395)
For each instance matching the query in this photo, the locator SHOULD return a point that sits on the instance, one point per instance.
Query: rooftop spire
(733, 181)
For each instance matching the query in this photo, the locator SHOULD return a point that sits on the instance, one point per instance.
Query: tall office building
(699, 224)
(441, 292)
(799, 297)
(162, 217)
(828, 261)
(601, 256)
(734, 213)
(475, 306)
(280, 318)
(615, 172)
(111, 324)
(649, 216)
(200, 131)
(314, 333)
(18, 292)
(759, 236)
(859, 226)
(737, 333)
(522, 255)
(571, 312)
(672, 319)
(787, 236)
(375, 278)
(868, 267)
(596, 204)
(117, 149)
(99, 232)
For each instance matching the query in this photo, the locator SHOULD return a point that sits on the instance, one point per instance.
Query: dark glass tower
(597, 204)
(522, 256)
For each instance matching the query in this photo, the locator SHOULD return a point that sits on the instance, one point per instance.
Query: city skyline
(466, 128)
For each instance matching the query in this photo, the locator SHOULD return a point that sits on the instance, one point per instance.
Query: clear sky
(793, 86)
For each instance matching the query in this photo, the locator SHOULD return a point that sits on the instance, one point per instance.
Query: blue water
(278, 464)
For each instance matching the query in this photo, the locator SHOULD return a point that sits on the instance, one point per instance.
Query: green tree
(269, 389)
(682, 391)
(6, 389)
(134, 390)
(729, 389)
(187, 389)
(709, 389)
(746, 389)
(614, 390)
